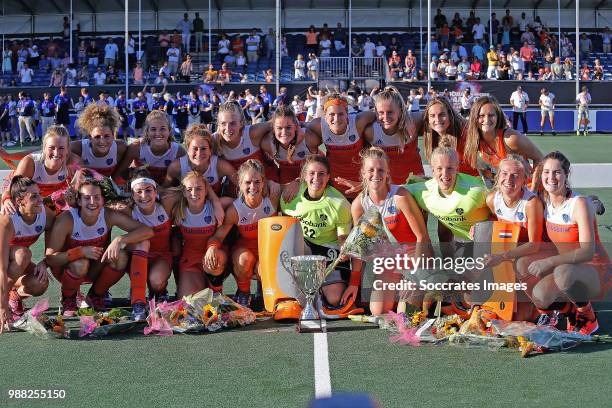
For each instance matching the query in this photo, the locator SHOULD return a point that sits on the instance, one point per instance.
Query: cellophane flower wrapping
(102, 324)
(546, 337)
(34, 321)
(202, 311)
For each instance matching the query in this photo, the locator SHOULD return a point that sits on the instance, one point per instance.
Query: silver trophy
(308, 272)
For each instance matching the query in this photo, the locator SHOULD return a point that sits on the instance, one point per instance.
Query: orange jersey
(83, 235)
(489, 159)
(244, 151)
(343, 153)
(27, 234)
(48, 183)
(158, 165)
(290, 170)
(161, 225)
(103, 165)
(395, 220)
(196, 230)
(515, 215)
(402, 162)
(247, 222)
(464, 167)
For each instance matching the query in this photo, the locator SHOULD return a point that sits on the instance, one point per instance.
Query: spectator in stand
(478, 30)
(92, 53)
(439, 20)
(83, 76)
(325, 46)
(33, 56)
(70, 75)
(210, 75)
(457, 21)
(517, 65)
(586, 47)
(395, 65)
(444, 35)
(585, 72)
(530, 76)
(176, 41)
(184, 26)
(598, 70)
(270, 44)
(433, 69)
(110, 52)
(186, 69)
(7, 55)
(223, 48)
(451, 71)
(394, 45)
(165, 70)
(519, 101)
(225, 75)
(556, 68)
(414, 99)
(64, 62)
(463, 69)
(380, 49)
(471, 20)
(356, 49)
(198, 30)
(241, 62)
(368, 52)
(56, 62)
(503, 68)
(164, 43)
(433, 46)
(57, 78)
(238, 45)
(475, 68)
(99, 77)
(442, 64)
(568, 69)
(547, 108)
(528, 37)
(299, 68)
(313, 66)
(173, 54)
(284, 49)
(606, 38)
(244, 79)
(493, 60)
(252, 42)
(478, 51)
(138, 74)
(527, 54)
(25, 75)
(508, 20)
(505, 37)
(230, 60)
(567, 48)
(111, 75)
(340, 38)
(523, 23)
(82, 54)
(22, 57)
(493, 27)
(583, 99)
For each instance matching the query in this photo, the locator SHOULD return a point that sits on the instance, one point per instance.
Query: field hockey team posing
(193, 209)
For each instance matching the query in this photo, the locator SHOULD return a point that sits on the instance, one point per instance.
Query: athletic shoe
(108, 299)
(69, 306)
(586, 320)
(554, 133)
(161, 297)
(257, 303)
(11, 144)
(587, 327)
(15, 304)
(541, 133)
(242, 298)
(139, 312)
(577, 133)
(96, 302)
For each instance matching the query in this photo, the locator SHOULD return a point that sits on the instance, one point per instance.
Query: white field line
(321, 366)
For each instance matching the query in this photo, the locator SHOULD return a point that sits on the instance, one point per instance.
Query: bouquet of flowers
(41, 325)
(102, 324)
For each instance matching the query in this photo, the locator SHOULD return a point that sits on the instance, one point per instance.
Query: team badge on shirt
(459, 211)
(109, 161)
(267, 209)
(352, 138)
(38, 228)
(207, 219)
(161, 217)
(520, 216)
(246, 150)
(565, 217)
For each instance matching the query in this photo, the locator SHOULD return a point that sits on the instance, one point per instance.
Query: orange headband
(335, 102)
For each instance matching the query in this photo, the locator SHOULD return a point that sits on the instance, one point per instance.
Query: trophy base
(312, 326)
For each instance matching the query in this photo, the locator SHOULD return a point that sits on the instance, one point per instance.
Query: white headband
(145, 180)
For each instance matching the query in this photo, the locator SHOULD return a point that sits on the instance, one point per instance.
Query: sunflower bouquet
(96, 324)
(37, 323)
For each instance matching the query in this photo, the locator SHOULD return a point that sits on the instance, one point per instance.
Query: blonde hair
(431, 138)
(199, 130)
(445, 150)
(256, 166)
(180, 211)
(404, 123)
(53, 131)
(472, 144)
(101, 116)
(153, 116)
(234, 108)
(512, 158)
(373, 153)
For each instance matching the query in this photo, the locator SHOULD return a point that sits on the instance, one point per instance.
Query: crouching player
(82, 247)
(19, 277)
(577, 269)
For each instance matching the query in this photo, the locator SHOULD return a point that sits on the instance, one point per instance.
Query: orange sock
(244, 286)
(70, 284)
(138, 276)
(587, 311)
(108, 277)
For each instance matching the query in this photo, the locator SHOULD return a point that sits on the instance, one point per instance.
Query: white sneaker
(11, 144)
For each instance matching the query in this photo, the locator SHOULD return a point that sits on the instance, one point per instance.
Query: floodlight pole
(70, 17)
(278, 45)
(209, 34)
(577, 46)
(490, 23)
(421, 33)
(428, 45)
(125, 49)
(350, 40)
(139, 29)
(559, 24)
(3, 30)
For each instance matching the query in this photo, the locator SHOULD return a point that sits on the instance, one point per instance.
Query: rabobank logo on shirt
(207, 219)
(565, 217)
(161, 217)
(520, 216)
(39, 228)
(101, 230)
(246, 150)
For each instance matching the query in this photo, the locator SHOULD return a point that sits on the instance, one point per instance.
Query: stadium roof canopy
(41, 7)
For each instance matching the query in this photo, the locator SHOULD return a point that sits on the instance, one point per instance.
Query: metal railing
(351, 68)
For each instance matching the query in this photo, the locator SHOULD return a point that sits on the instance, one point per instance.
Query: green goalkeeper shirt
(322, 220)
(458, 212)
